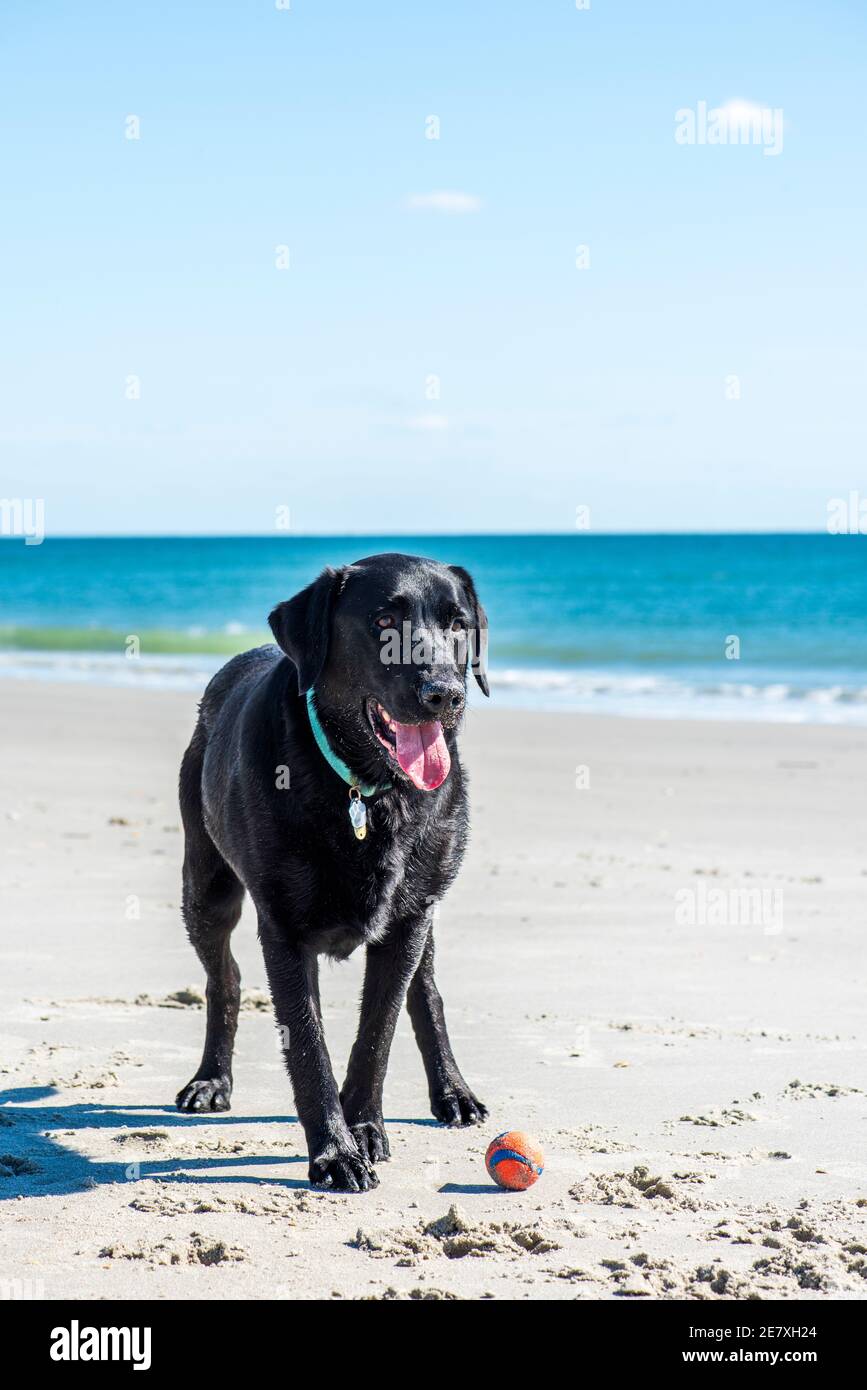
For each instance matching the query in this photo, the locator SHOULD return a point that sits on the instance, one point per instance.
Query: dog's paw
(457, 1106)
(342, 1169)
(214, 1093)
(372, 1140)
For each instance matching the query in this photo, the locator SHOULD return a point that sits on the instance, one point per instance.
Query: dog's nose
(441, 697)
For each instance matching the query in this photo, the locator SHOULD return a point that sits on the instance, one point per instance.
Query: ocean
(741, 626)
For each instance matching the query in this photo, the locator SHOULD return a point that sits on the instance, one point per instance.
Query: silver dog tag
(357, 814)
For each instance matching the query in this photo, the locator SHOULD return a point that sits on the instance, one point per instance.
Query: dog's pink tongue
(423, 754)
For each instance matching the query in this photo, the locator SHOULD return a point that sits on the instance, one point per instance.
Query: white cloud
(746, 118)
(445, 202)
(737, 109)
(428, 422)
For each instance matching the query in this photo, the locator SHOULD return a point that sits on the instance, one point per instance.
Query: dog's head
(387, 643)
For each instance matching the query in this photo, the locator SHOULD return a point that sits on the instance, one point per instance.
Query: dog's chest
(368, 887)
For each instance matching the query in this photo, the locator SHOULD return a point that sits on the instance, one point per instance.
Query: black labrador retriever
(323, 778)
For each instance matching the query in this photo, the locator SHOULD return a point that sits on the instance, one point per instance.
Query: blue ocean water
(622, 624)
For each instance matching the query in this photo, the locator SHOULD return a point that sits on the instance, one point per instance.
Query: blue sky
(307, 388)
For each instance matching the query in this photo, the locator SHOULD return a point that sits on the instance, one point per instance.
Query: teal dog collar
(357, 788)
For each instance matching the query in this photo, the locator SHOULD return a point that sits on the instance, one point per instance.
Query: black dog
(345, 818)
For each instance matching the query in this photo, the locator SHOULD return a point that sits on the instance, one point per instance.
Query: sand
(660, 974)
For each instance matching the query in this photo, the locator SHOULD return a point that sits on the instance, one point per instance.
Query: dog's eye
(458, 625)
(385, 620)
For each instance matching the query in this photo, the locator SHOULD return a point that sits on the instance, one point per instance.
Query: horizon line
(399, 535)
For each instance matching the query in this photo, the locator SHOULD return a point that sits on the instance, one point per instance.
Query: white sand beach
(661, 975)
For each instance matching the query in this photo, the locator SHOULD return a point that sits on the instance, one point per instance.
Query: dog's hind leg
(212, 898)
(451, 1099)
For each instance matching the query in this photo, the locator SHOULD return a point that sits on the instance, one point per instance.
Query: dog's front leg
(293, 974)
(451, 1099)
(390, 966)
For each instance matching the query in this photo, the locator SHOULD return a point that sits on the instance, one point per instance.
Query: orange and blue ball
(514, 1160)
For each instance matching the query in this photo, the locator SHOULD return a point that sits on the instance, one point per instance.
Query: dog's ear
(479, 631)
(302, 625)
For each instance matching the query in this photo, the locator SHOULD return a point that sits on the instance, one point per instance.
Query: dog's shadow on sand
(35, 1162)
